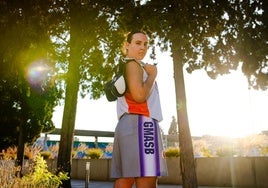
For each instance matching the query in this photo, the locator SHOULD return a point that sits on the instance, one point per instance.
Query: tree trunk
(20, 152)
(72, 88)
(189, 178)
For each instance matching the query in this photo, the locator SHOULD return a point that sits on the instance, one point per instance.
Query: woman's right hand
(151, 70)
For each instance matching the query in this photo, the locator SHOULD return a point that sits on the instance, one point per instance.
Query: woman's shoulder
(134, 61)
(134, 65)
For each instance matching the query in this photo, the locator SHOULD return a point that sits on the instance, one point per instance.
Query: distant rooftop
(78, 132)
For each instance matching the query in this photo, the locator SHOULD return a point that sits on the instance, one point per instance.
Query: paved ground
(100, 184)
(105, 184)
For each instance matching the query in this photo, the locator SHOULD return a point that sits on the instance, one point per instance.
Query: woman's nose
(143, 47)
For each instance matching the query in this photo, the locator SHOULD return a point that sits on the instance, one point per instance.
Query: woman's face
(138, 46)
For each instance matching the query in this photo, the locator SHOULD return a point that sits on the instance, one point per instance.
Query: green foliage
(46, 154)
(87, 49)
(26, 105)
(206, 152)
(225, 152)
(38, 177)
(83, 152)
(41, 177)
(94, 153)
(216, 36)
(172, 152)
(263, 150)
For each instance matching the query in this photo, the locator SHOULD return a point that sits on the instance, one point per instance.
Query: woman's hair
(130, 35)
(129, 38)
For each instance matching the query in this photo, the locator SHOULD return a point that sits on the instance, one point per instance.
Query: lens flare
(39, 75)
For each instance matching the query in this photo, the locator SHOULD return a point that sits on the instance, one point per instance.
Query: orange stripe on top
(136, 108)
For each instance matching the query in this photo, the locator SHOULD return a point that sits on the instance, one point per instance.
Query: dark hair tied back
(130, 35)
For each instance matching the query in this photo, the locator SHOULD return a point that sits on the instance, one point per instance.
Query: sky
(221, 107)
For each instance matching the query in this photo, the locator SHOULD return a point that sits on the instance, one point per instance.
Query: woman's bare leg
(124, 183)
(146, 182)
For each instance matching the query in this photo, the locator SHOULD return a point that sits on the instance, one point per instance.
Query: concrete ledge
(216, 171)
(174, 172)
(261, 171)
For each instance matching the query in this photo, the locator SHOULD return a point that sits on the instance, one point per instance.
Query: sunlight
(221, 107)
(39, 75)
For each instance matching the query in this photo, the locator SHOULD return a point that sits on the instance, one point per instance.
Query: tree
(173, 129)
(216, 36)
(25, 48)
(85, 45)
(198, 34)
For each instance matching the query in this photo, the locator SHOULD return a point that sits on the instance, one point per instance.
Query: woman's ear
(125, 48)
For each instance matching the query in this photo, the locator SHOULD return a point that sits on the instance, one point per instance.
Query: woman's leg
(146, 182)
(124, 183)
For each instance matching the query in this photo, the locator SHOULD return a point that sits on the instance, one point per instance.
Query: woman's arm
(134, 75)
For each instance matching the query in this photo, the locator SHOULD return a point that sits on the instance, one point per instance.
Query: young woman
(138, 152)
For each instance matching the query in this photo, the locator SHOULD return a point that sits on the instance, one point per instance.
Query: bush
(172, 152)
(263, 150)
(225, 152)
(41, 177)
(30, 152)
(9, 154)
(206, 152)
(8, 173)
(94, 153)
(46, 154)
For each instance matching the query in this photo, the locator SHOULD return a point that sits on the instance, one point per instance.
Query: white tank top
(151, 107)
